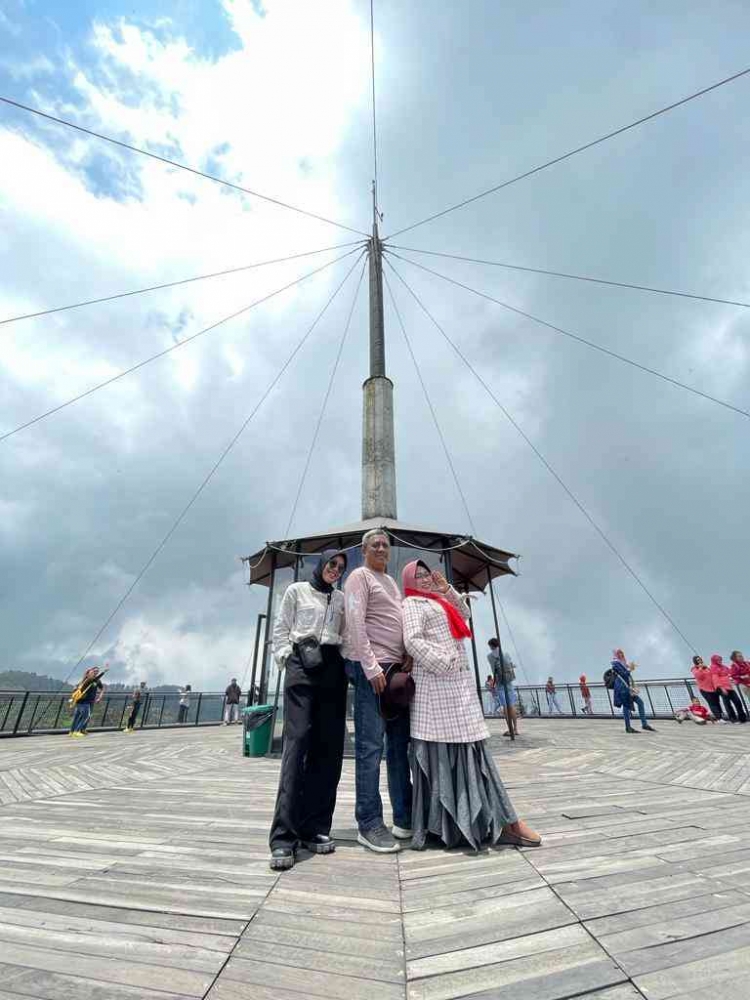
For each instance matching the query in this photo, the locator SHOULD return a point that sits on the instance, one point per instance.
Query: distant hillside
(22, 680)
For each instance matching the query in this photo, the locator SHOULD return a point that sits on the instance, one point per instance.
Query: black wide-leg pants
(314, 728)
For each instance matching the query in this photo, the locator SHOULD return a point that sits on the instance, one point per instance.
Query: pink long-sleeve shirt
(722, 677)
(375, 632)
(704, 678)
(740, 672)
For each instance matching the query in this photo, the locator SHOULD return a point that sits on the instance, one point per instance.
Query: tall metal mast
(378, 447)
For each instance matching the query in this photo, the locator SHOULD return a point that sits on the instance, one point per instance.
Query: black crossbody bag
(309, 649)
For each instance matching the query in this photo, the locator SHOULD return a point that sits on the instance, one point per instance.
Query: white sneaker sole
(373, 847)
(400, 833)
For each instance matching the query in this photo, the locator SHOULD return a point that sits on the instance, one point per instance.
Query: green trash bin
(256, 730)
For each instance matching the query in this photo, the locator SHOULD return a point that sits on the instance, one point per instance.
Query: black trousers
(134, 714)
(714, 703)
(733, 706)
(314, 727)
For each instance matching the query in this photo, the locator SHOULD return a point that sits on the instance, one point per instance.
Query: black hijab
(317, 582)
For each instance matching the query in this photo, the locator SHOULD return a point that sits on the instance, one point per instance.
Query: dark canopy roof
(470, 558)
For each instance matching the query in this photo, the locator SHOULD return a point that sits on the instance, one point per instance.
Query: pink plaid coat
(446, 708)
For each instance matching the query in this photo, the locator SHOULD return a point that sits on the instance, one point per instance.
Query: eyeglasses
(335, 567)
(423, 576)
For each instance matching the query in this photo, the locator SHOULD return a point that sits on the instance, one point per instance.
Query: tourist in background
(232, 697)
(307, 637)
(585, 694)
(707, 687)
(504, 673)
(695, 712)
(626, 694)
(138, 700)
(492, 703)
(740, 671)
(184, 709)
(731, 701)
(458, 794)
(375, 651)
(88, 692)
(551, 692)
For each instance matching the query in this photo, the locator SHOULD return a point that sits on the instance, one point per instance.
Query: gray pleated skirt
(458, 795)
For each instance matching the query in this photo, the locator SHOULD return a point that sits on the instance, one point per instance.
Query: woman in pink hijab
(458, 794)
(731, 701)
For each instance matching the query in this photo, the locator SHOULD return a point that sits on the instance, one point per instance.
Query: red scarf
(459, 628)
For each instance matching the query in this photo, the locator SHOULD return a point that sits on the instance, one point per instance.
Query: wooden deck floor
(135, 867)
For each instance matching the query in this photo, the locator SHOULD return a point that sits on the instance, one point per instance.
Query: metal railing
(25, 713)
(661, 698)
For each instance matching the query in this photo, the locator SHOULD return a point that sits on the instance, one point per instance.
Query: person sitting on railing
(729, 698)
(695, 712)
(707, 687)
(626, 694)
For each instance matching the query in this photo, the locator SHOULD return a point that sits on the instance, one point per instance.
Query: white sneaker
(722, 722)
(401, 833)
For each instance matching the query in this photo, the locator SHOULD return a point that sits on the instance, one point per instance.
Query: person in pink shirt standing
(707, 687)
(730, 699)
(375, 649)
(740, 671)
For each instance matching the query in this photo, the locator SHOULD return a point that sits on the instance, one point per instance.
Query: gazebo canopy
(471, 560)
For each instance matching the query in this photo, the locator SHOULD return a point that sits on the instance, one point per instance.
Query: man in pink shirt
(374, 645)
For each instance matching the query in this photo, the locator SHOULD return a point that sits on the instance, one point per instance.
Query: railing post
(260, 623)
(198, 707)
(124, 710)
(7, 712)
(161, 713)
(33, 713)
(146, 710)
(651, 701)
(18, 717)
(59, 711)
(104, 714)
(611, 706)
(572, 703)
(666, 692)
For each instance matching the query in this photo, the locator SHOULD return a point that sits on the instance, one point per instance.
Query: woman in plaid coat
(458, 794)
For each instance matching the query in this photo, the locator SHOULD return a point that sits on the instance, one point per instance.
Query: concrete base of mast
(378, 450)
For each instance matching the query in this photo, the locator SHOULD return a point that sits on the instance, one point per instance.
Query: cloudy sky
(275, 97)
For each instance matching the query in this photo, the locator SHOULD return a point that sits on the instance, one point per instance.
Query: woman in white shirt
(307, 637)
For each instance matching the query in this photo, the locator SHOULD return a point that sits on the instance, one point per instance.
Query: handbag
(309, 649)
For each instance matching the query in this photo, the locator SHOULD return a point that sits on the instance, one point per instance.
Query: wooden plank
(309, 983)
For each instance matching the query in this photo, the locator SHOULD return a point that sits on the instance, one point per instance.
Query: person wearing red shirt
(740, 670)
(698, 713)
(723, 682)
(585, 694)
(707, 687)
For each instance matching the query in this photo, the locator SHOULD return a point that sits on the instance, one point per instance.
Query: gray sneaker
(380, 839)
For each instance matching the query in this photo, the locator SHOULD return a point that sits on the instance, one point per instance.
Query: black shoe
(648, 728)
(629, 729)
(281, 859)
(320, 844)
